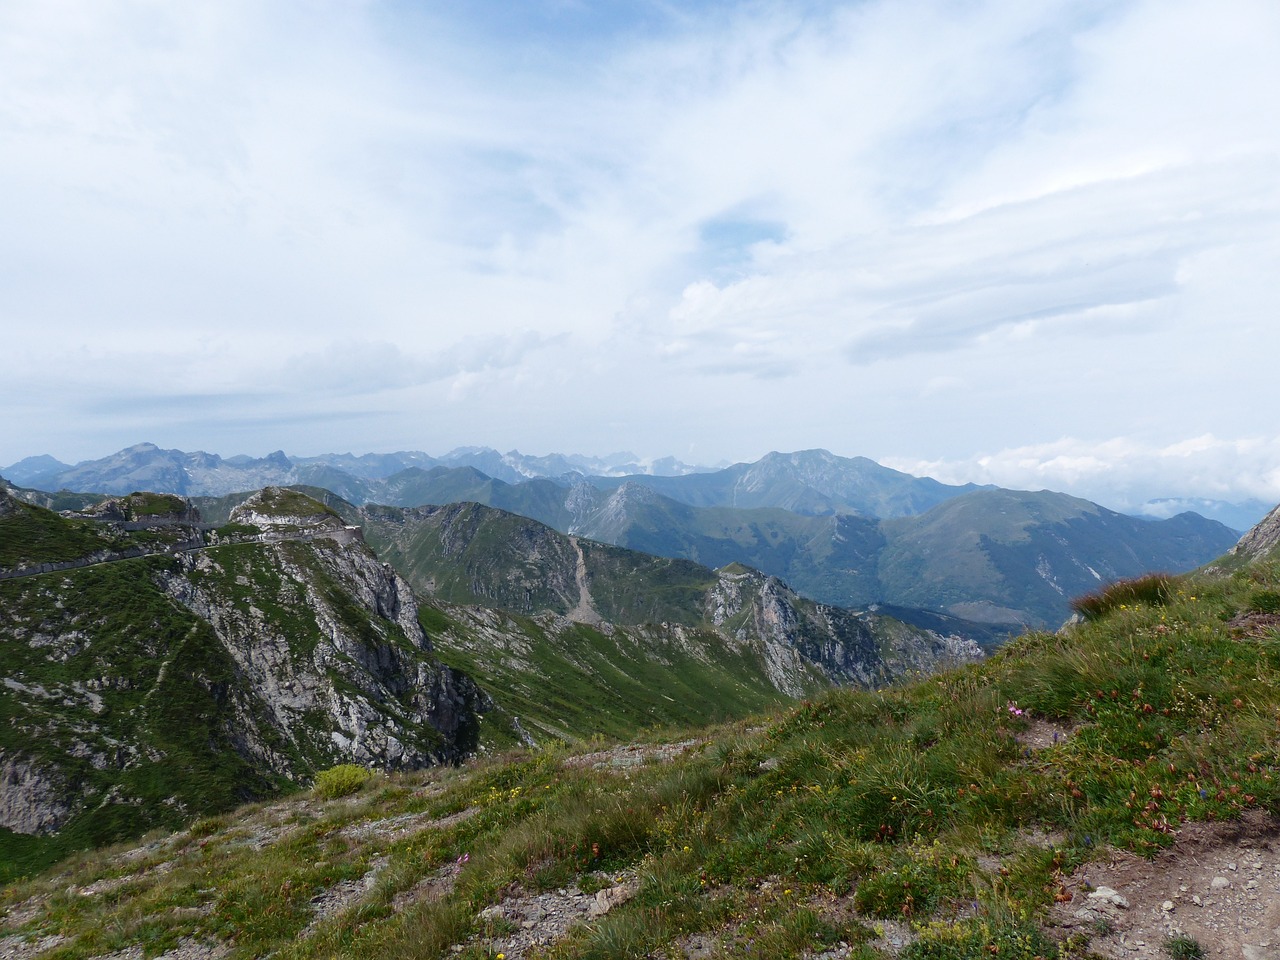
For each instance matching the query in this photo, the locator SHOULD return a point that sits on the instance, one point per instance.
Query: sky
(1032, 244)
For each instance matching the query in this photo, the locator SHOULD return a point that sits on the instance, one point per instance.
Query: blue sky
(1029, 244)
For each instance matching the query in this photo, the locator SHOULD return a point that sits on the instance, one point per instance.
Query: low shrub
(1264, 601)
(339, 781)
(979, 939)
(1154, 589)
(1183, 948)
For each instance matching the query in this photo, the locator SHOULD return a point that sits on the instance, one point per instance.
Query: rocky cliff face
(850, 648)
(1262, 540)
(143, 690)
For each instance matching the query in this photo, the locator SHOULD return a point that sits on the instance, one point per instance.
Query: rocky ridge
(1260, 541)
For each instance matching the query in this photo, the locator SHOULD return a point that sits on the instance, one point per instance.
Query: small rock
(1219, 883)
(1108, 895)
(1196, 900)
(600, 906)
(492, 913)
(1231, 866)
(1167, 906)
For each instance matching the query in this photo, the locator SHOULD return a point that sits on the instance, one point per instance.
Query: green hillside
(469, 553)
(978, 813)
(1003, 557)
(556, 680)
(609, 630)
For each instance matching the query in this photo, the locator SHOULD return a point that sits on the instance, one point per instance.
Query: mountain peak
(280, 507)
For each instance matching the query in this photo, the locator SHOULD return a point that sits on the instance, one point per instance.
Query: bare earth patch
(394, 828)
(19, 947)
(1259, 626)
(1219, 884)
(1041, 734)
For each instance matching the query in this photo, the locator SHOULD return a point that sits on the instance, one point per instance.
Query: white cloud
(1121, 472)
(941, 228)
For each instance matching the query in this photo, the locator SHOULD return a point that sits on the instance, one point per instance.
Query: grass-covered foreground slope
(958, 816)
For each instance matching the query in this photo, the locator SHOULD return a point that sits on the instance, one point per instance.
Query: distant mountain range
(1003, 558)
(844, 531)
(146, 466)
(810, 482)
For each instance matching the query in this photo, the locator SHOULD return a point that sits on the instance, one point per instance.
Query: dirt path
(1219, 885)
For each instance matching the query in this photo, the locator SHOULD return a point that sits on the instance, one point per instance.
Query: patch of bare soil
(1041, 734)
(342, 895)
(394, 828)
(1219, 884)
(18, 947)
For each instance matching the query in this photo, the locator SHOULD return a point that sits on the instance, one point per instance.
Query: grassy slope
(1166, 713)
(572, 682)
(469, 553)
(31, 535)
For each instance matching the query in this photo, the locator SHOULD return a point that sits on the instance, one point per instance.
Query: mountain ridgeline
(1005, 558)
(844, 531)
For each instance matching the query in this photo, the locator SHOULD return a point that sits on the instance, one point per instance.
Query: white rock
(1108, 895)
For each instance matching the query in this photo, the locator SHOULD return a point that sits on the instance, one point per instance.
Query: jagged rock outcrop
(850, 648)
(33, 798)
(1262, 540)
